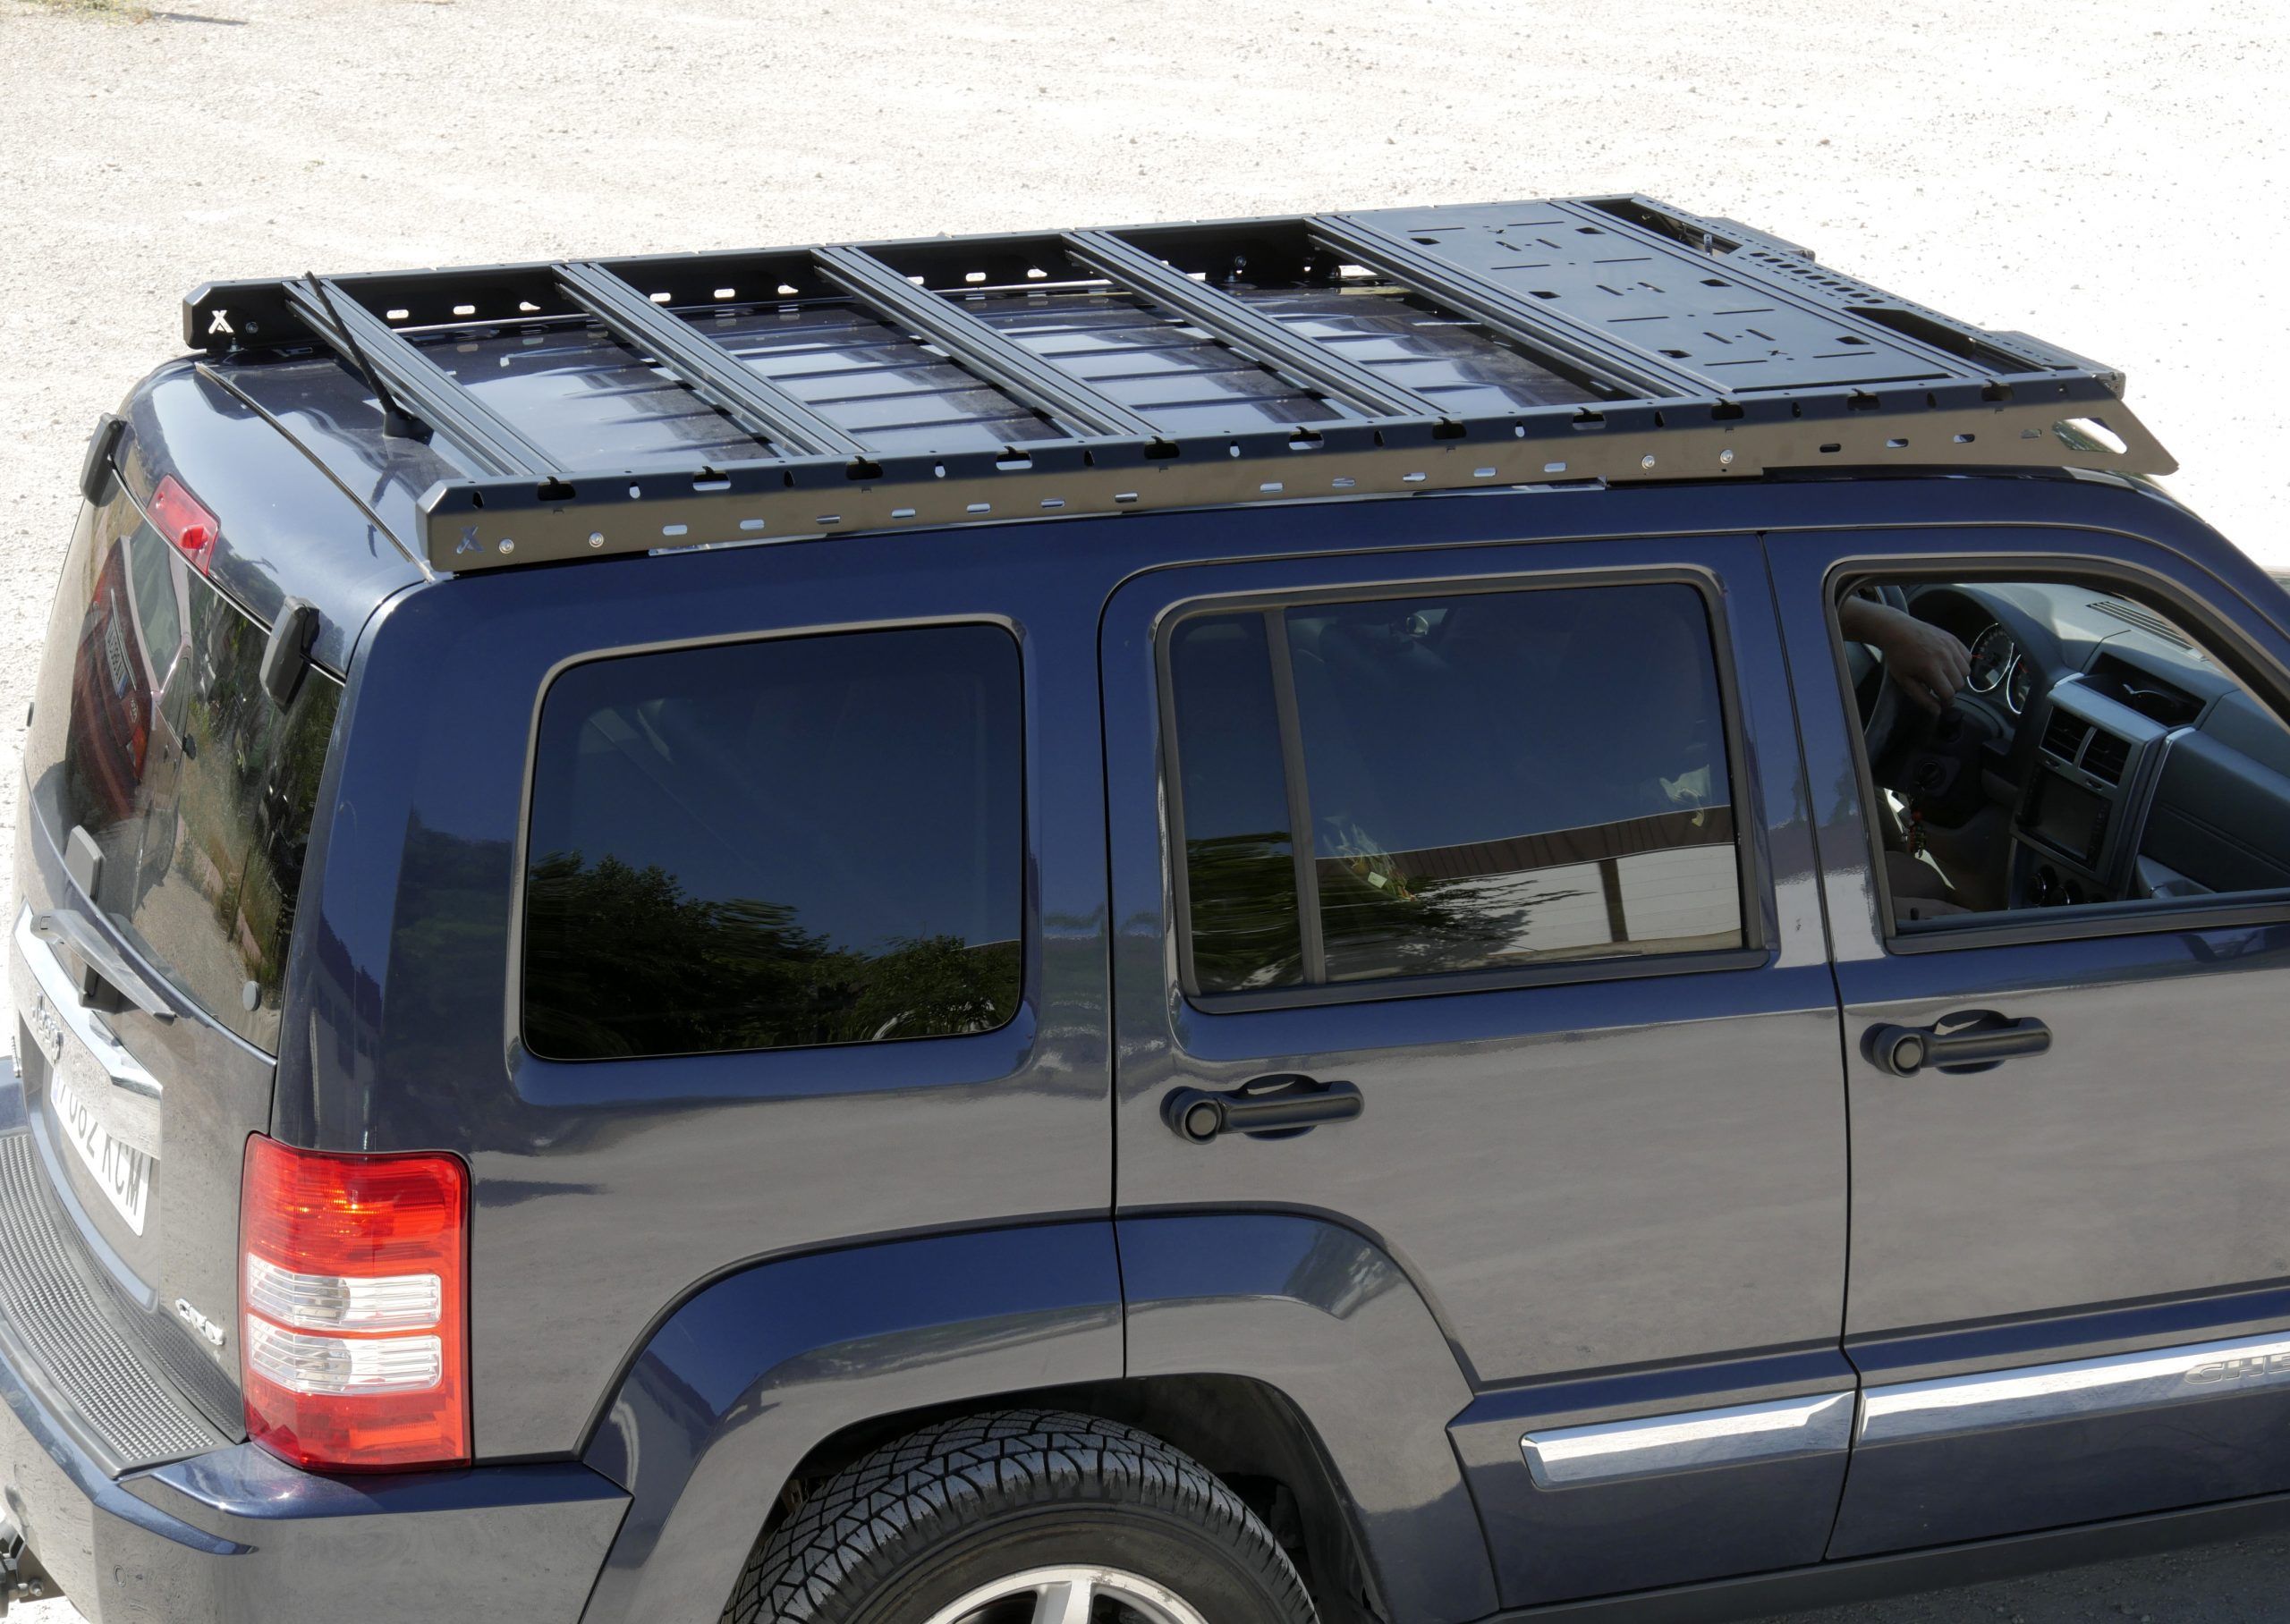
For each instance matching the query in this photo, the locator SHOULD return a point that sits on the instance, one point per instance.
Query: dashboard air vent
(2107, 757)
(2063, 735)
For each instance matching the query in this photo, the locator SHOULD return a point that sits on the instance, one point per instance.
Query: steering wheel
(1883, 713)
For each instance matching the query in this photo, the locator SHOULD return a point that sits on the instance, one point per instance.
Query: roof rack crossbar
(701, 365)
(416, 385)
(1126, 265)
(978, 347)
(1498, 310)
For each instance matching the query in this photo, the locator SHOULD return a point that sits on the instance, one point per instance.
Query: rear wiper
(397, 421)
(69, 928)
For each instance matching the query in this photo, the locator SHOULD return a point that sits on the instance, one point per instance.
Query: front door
(1466, 905)
(2062, 942)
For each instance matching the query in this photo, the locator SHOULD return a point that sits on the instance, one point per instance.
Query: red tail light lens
(190, 527)
(355, 1355)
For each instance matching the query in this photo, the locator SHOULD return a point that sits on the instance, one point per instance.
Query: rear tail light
(356, 1350)
(190, 528)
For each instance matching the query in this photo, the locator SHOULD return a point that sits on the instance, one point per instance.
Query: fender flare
(753, 1372)
(1324, 1315)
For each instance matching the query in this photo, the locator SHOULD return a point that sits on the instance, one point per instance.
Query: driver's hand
(1930, 666)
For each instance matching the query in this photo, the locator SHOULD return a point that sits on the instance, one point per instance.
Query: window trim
(1296, 782)
(1029, 909)
(1751, 953)
(2221, 639)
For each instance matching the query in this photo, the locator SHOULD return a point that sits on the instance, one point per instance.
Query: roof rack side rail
(418, 387)
(701, 365)
(979, 347)
(1546, 333)
(1126, 265)
(483, 524)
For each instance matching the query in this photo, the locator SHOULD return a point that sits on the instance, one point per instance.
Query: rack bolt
(1647, 461)
(1726, 459)
(507, 546)
(596, 537)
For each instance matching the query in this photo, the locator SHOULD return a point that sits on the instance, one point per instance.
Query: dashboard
(2095, 756)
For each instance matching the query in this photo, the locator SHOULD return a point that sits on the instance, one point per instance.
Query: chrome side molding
(1610, 1451)
(2116, 1382)
(1651, 1446)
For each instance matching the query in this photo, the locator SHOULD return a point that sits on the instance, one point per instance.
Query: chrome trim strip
(1608, 1451)
(58, 999)
(1950, 1406)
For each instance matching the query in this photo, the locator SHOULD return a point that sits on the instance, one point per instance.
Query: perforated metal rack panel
(1652, 300)
(56, 1322)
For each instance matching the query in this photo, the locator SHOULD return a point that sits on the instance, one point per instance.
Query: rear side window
(777, 844)
(1484, 781)
(152, 731)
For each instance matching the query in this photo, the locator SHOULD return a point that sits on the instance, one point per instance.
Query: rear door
(1477, 881)
(168, 801)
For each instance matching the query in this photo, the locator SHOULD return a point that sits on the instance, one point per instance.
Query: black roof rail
(412, 385)
(978, 347)
(1201, 304)
(709, 370)
(940, 381)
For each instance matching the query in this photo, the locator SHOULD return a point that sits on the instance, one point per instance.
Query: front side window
(1485, 781)
(777, 845)
(2050, 746)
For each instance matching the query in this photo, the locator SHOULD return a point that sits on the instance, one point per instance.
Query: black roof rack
(952, 380)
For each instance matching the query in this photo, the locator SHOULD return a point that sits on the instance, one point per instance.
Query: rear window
(1480, 780)
(777, 844)
(152, 731)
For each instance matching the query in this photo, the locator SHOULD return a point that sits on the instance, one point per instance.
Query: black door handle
(1280, 1105)
(1973, 1041)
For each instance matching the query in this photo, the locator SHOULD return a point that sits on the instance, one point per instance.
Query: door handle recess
(1280, 1105)
(1976, 1040)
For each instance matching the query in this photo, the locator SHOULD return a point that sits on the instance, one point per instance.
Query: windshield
(152, 731)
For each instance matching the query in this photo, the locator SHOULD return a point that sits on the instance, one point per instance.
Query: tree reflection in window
(777, 845)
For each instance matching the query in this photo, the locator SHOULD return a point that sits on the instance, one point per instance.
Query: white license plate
(122, 1172)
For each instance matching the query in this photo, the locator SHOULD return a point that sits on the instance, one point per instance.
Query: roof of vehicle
(507, 415)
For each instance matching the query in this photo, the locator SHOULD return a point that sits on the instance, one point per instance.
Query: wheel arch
(1275, 1347)
(736, 1387)
(1241, 1430)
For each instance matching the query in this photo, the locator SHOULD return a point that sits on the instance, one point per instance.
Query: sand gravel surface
(2110, 174)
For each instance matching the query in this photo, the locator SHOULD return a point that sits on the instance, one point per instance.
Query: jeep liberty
(1394, 918)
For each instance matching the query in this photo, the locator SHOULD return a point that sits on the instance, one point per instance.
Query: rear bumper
(238, 1536)
(232, 1534)
(243, 1537)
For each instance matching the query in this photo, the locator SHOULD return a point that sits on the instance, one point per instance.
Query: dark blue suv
(1400, 918)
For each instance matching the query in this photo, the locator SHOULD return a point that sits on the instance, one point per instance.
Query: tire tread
(886, 1507)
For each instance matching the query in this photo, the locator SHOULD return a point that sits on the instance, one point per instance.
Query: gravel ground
(2024, 163)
